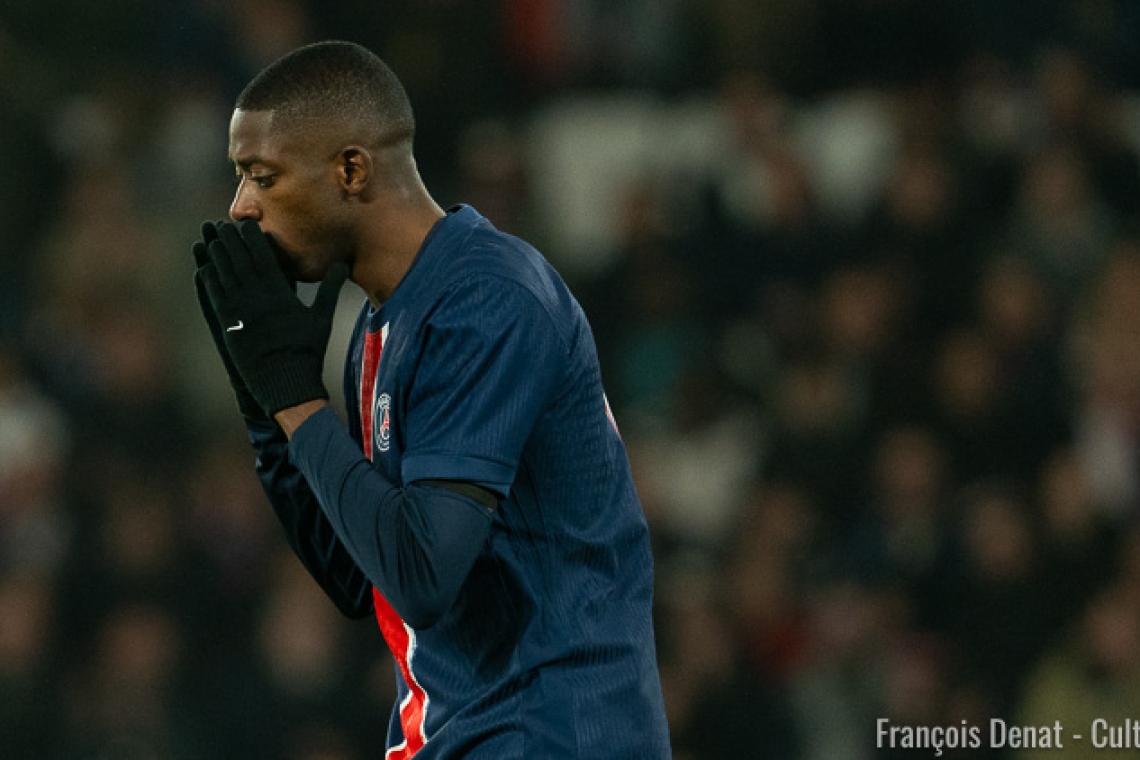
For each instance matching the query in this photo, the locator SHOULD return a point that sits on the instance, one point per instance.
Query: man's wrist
(293, 417)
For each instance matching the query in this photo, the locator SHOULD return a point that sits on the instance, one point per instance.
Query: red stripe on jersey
(373, 347)
(402, 641)
(400, 638)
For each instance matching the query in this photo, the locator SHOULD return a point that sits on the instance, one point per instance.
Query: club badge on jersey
(382, 425)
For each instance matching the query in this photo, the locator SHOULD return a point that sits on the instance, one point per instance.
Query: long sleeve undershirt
(415, 543)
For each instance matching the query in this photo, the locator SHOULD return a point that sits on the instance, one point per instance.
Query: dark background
(864, 274)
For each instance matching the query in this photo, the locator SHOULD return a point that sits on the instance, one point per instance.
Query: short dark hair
(333, 79)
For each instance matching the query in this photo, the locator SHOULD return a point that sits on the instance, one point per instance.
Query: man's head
(315, 137)
(333, 84)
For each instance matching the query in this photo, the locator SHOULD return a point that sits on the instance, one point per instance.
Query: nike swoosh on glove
(279, 351)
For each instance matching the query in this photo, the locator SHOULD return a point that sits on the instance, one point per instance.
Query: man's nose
(244, 206)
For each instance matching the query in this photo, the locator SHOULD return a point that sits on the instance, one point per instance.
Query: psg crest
(382, 425)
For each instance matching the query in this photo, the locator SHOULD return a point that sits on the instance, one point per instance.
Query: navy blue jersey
(481, 368)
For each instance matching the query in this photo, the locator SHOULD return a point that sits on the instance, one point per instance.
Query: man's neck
(391, 247)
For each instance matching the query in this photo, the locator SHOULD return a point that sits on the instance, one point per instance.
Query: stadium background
(865, 275)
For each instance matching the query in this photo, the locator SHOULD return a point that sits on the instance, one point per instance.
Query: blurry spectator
(767, 567)
(132, 549)
(231, 538)
(992, 114)
(191, 178)
(1016, 312)
(742, 708)
(1094, 674)
(29, 679)
(762, 239)
(901, 540)
(1105, 367)
(849, 141)
(917, 228)
(971, 408)
(126, 700)
(24, 184)
(1076, 109)
(35, 454)
(998, 610)
(647, 301)
(101, 240)
(1079, 542)
(297, 680)
(264, 30)
(866, 319)
(1020, 319)
(695, 464)
(99, 331)
(991, 121)
(689, 616)
(842, 688)
(817, 433)
(1060, 224)
(493, 174)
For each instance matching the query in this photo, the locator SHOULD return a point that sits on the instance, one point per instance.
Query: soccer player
(479, 501)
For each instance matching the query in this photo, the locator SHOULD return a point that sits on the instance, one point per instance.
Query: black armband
(470, 490)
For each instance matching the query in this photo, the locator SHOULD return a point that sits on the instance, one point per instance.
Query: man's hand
(277, 344)
(245, 400)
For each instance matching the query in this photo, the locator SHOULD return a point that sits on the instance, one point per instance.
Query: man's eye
(263, 181)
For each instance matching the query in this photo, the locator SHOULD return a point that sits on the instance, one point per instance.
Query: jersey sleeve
(491, 361)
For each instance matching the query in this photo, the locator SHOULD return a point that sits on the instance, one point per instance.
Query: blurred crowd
(865, 278)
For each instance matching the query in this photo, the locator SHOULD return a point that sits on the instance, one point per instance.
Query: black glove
(245, 400)
(276, 342)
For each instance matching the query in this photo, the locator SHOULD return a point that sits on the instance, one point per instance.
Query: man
(480, 502)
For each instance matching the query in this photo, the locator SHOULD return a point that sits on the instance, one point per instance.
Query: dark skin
(324, 193)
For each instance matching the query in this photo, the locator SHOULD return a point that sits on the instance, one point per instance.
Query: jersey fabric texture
(481, 368)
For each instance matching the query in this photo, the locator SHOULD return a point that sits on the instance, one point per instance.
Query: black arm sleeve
(416, 543)
(307, 529)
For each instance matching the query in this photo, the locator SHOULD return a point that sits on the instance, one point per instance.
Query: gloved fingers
(241, 262)
(225, 274)
(214, 289)
(211, 314)
(210, 230)
(200, 248)
(204, 303)
(261, 253)
(201, 256)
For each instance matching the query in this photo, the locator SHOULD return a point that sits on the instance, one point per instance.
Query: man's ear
(354, 169)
